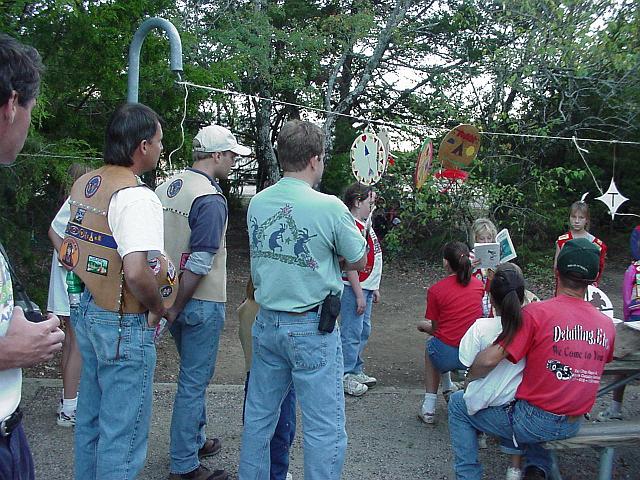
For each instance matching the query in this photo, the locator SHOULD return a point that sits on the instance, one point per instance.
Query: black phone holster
(329, 313)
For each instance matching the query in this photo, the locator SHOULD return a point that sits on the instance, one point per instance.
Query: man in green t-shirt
(300, 241)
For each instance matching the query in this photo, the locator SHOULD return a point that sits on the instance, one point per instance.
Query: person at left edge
(22, 343)
(195, 218)
(114, 243)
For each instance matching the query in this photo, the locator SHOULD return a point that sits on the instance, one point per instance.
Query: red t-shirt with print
(455, 308)
(566, 342)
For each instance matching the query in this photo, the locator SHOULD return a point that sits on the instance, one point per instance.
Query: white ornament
(612, 198)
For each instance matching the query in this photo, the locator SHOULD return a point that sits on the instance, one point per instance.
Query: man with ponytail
(566, 342)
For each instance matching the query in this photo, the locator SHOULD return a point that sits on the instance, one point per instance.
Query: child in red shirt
(579, 219)
(453, 304)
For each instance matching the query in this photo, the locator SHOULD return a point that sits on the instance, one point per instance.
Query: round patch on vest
(69, 252)
(174, 188)
(166, 291)
(92, 186)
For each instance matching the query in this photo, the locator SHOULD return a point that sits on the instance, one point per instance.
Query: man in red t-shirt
(566, 343)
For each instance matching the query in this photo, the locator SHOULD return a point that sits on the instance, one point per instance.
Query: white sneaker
(427, 417)
(65, 420)
(366, 379)
(353, 386)
(607, 414)
(514, 474)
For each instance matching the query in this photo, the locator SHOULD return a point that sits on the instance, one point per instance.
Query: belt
(10, 423)
(314, 309)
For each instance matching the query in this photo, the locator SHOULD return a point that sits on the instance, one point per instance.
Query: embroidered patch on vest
(92, 186)
(79, 216)
(174, 188)
(154, 265)
(91, 236)
(171, 272)
(69, 252)
(166, 291)
(97, 265)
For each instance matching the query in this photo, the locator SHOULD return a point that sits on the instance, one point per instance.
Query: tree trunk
(268, 169)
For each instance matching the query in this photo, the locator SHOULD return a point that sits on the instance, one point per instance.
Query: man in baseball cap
(579, 260)
(215, 138)
(566, 342)
(195, 221)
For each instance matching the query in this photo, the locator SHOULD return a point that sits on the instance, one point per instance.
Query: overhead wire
(368, 120)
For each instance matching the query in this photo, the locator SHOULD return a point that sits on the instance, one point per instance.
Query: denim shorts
(444, 357)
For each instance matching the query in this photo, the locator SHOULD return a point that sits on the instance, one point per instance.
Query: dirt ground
(394, 355)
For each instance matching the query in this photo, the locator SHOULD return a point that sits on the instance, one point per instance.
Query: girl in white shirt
(499, 387)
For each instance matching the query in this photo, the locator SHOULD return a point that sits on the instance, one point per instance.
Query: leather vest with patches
(90, 250)
(177, 195)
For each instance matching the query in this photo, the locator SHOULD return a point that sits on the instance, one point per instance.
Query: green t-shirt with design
(295, 237)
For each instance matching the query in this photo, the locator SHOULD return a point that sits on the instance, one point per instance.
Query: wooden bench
(605, 436)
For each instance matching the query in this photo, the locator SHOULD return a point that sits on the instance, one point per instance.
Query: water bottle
(75, 287)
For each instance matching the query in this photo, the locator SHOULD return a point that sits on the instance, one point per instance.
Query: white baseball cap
(215, 138)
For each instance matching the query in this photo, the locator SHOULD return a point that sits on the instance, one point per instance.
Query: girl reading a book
(483, 231)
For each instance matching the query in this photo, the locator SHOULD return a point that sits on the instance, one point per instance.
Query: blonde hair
(582, 207)
(480, 225)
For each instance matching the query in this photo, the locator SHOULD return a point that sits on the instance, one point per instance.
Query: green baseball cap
(579, 259)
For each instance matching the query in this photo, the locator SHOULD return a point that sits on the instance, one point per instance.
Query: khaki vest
(177, 195)
(90, 250)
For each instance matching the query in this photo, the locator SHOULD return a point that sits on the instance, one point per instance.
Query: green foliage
(537, 67)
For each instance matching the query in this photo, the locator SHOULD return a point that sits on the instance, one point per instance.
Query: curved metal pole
(136, 45)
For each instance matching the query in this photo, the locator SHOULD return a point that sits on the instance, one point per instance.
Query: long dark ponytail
(457, 254)
(507, 292)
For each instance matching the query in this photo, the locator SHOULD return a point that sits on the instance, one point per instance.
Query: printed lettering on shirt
(578, 333)
(577, 353)
(280, 238)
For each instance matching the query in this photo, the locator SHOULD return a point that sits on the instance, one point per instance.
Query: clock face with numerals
(368, 158)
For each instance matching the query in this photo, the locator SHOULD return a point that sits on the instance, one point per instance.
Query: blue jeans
(196, 333)
(529, 425)
(288, 348)
(444, 357)
(354, 329)
(15, 457)
(283, 436)
(114, 410)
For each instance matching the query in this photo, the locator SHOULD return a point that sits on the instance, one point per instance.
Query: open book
(492, 254)
(507, 252)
